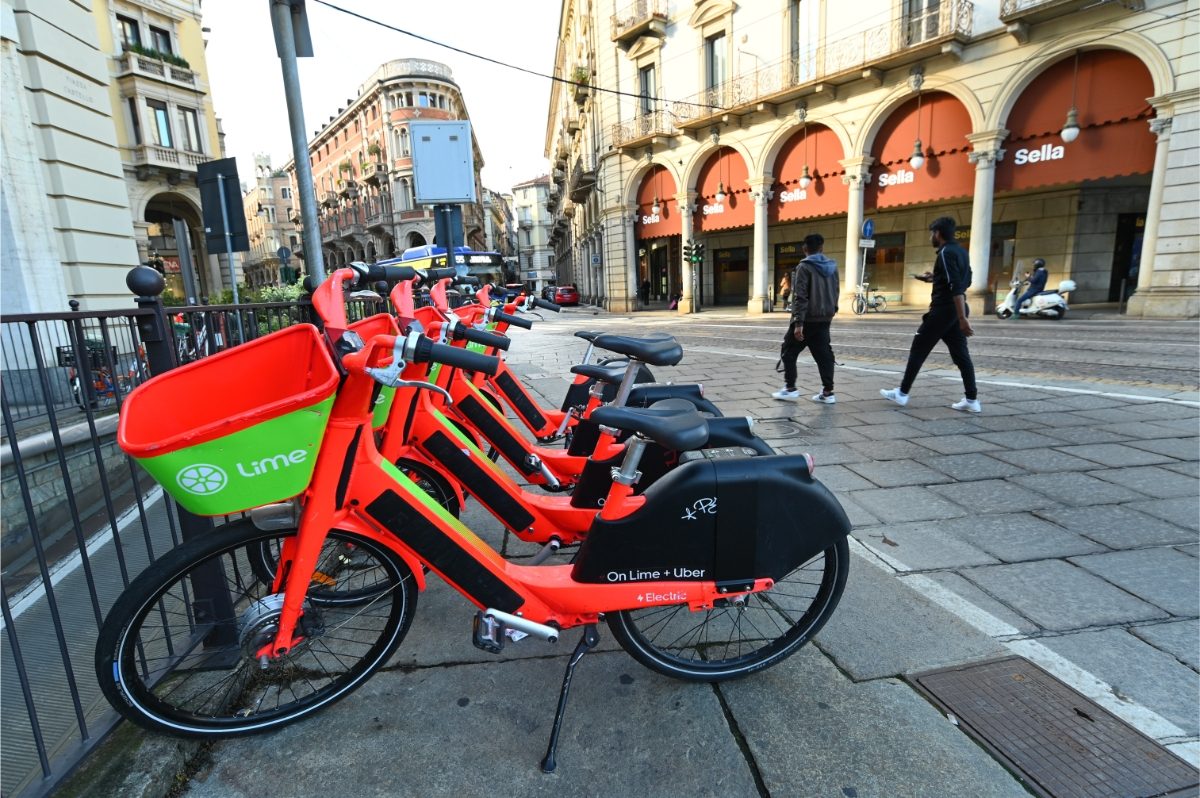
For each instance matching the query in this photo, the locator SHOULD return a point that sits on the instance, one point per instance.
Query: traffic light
(698, 253)
(688, 249)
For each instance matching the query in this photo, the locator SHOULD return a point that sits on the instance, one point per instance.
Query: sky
(507, 108)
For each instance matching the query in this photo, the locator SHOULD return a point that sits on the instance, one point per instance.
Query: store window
(160, 40)
(162, 123)
(131, 32)
(885, 264)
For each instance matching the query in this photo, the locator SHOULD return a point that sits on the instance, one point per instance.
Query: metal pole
(285, 45)
(229, 252)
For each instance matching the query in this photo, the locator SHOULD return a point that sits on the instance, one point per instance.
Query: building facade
(272, 212)
(1058, 129)
(107, 115)
(534, 202)
(362, 165)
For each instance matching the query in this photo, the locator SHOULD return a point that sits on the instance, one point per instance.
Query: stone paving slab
(840, 479)
(967, 590)
(923, 546)
(882, 449)
(1058, 596)
(1016, 439)
(1085, 434)
(1115, 455)
(968, 467)
(1180, 639)
(884, 628)
(956, 444)
(1077, 489)
(1118, 527)
(1190, 469)
(1137, 672)
(1042, 461)
(1179, 448)
(1184, 512)
(815, 733)
(1152, 481)
(481, 730)
(1019, 537)
(994, 496)
(896, 505)
(1164, 577)
(898, 473)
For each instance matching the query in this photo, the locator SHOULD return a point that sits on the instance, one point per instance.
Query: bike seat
(612, 374)
(588, 335)
(672, 427)
(658, 351)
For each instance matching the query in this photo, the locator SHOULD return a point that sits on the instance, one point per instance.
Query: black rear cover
(728, 520)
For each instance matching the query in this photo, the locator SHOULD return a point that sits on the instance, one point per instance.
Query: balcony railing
(903, 40)
(134, 64)
(1040, 10)
(167, 158)
(639, 19)
(583, 179)
(643, 129)
(378, 211)
(372, 171)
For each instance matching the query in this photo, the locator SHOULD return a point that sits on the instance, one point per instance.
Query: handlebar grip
(488, 339)
(393, 274)
(512, 321)
(545, 305)
(440, 273)
(429, 352)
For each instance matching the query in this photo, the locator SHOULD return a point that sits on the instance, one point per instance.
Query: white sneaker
(825, 399)
(967, 405)
(894, 395)
(785, 395)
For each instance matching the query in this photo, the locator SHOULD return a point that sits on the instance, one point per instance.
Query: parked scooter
(1047, 304)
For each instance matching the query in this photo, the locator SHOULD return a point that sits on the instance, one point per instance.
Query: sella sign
(901, 176)
(653, 218)
(1047, 152)
(795, 195)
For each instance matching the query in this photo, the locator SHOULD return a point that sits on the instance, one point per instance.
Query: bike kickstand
(589, 640)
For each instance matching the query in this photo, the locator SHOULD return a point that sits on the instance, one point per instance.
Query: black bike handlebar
(393, 274)
(512, 321)
(477, 336)
(440, 273)
(429, 352)
(545, 305)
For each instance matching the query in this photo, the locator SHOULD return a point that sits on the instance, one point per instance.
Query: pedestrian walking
(946, 320)
(644, 292)
(815, 304)
(785, 288)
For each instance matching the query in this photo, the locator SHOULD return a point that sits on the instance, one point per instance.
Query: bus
(489, 267)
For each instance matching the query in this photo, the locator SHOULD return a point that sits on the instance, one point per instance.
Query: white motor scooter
(1046, 305)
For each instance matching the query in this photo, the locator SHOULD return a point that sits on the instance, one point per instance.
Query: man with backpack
(946, 319)
(815, 290)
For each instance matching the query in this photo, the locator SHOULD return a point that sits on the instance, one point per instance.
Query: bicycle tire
(264, 557)
(693, 642)
(880, 303)
(859, 306)
(183, 679)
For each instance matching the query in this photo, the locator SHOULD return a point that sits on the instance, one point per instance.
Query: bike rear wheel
(170, 657)
(880, 303)
(859, 306)
(740, 636)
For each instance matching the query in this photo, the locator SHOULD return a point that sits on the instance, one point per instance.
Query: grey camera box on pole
(443, 162)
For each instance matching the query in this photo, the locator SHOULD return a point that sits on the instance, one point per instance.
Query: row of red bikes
(345, 454)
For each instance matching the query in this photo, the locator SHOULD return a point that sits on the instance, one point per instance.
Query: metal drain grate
(1062, 744)
(772, 428)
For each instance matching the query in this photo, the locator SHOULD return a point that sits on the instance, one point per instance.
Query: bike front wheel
(176, 653)
(859, 306)
(738, 636)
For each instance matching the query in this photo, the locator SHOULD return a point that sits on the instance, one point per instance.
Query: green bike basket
(237, 429)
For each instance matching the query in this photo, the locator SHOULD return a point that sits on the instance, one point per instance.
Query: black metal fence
(80, 518)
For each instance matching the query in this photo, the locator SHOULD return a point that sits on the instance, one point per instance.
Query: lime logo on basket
(202, 479)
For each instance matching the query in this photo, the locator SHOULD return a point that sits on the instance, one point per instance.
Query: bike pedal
(487, 633)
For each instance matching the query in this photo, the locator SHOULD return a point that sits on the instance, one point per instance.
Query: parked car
(565, 295)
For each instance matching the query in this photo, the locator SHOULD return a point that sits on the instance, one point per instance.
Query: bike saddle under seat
(658, 351)
(671, 427)
(611, 374)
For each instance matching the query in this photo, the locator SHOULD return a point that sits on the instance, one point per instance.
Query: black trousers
(940, 324)
(816, 339)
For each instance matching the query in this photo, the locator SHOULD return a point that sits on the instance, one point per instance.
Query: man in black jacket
(946, 319)
(814, 304)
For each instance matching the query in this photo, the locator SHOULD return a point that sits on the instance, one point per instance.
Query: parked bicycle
(861, 302)
(191, 342)
(198, 645)
(105, 388)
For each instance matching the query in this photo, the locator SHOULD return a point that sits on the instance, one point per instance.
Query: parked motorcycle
(1047, 304)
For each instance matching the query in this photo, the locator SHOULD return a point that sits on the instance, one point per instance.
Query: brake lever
(429, 386)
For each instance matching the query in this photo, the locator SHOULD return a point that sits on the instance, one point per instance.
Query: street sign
(283, 253)
(868, 229)
(866, 243)
(596, 260)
